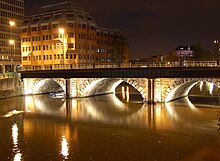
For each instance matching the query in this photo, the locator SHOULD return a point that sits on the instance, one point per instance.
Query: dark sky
(153, 27)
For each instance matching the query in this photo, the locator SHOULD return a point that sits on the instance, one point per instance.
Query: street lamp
(61, 31)
(12, 43)
(12, 23)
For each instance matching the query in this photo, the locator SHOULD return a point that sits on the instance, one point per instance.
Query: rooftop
(67, 5)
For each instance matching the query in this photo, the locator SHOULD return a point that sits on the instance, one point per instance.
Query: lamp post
(61, 31)
(11, 43)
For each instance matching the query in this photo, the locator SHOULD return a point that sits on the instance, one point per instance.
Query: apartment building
(11, 16)
(64, 36)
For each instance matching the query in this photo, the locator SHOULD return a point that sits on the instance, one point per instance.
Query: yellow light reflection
(15, 134)
(201, 85)
(29, 104)
(123, 92)
(127, 94)
(17, 157)
(65, 149)
(15, 142)
(211, 87)
(118, 103)
(171, 111)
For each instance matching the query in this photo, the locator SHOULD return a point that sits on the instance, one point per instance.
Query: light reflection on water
(105, 127)
(16, 150)
(65, 149)
(117, 112)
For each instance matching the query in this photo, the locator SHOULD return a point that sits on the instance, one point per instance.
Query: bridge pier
(68, 94)
(151, 91)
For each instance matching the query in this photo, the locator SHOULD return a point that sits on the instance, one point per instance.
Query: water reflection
(125, 93)
(103, 127)
(15, 135)
(64, 149)
(99, 109)
(15, 142)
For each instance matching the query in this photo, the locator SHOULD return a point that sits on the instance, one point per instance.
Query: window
(44, 27)
(71, 25)
(55, 36)
(83, 26)
(70, 45)
(34, 28)
(55, 26)
(70, 35)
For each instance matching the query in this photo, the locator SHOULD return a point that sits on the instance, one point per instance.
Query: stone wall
(10, 87)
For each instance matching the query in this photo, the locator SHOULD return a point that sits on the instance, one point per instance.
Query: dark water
(105, 128)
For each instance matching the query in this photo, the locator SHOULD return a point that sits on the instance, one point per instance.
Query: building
(184, 51)
(215, 53)
(64, 36)
(11, 16)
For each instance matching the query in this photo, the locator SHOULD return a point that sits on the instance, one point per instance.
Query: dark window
(70, 45)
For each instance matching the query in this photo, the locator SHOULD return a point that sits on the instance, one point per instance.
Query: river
(108, 128)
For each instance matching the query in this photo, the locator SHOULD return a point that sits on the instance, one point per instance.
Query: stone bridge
(152, 90)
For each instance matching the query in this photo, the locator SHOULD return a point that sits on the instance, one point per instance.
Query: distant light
(11, 42)
(12, 23)
(61, 30)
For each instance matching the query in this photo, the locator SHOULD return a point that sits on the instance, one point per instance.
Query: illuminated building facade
(11, 16)
(64, 36)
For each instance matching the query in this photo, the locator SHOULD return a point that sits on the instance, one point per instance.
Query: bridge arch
(181, 87)
(40, 86)
(94, 86)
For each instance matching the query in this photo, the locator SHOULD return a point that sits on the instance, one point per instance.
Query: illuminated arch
(108, 85)
(33, 86)
(180, 87)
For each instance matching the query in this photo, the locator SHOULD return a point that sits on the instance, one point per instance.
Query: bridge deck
(157, 72)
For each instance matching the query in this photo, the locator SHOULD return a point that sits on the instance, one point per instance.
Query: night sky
(153, 27)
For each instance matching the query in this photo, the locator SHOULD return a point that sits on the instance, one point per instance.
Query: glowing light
(171, 111)
(15, 142)
(123, 92)
(65, 149)
(17, 157)
(61, 30)
(211, 87)
(174, 92)
(11, 42)
(15, 134)
(12, 23)
(29, 104)
(201, 85)
(127, 94)
(27, 87)
(115, 85)
(90, 87)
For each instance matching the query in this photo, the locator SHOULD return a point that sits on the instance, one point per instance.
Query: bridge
(155, 84)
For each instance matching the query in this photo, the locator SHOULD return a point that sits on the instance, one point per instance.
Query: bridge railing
(135, 65)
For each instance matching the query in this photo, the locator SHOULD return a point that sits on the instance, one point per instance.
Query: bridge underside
(152, 90)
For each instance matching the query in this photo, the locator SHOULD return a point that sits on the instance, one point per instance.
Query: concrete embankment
(10, 87)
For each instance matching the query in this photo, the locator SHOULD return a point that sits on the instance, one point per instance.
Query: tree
(120, 48)
(199, 53)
